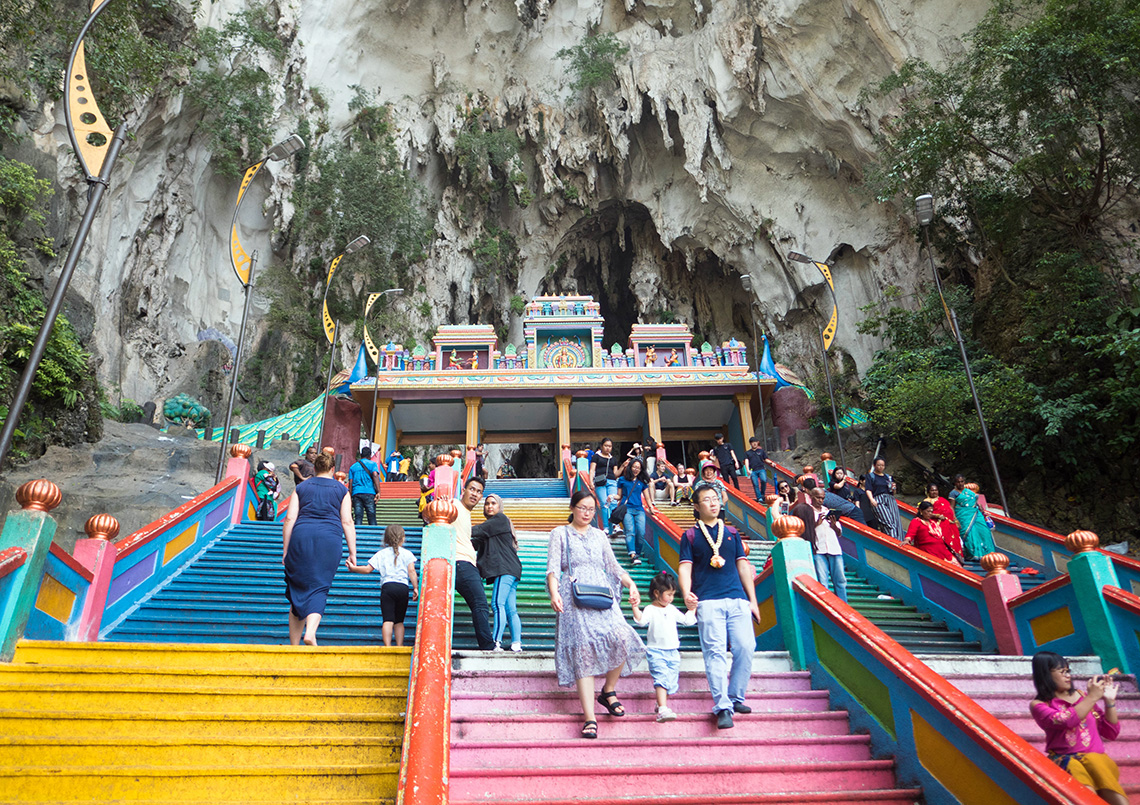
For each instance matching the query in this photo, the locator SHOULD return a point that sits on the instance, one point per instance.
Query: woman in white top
(397, 568)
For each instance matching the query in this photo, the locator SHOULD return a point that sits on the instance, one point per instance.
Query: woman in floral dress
(590, 642)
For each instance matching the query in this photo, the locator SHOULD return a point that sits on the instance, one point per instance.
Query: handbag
(587, 596)
(617, 516)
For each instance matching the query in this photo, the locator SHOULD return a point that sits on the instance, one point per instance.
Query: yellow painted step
(286, 783)
(34, 675)
(204, 700)
(215, 656)
(191, 726)
(75, 753)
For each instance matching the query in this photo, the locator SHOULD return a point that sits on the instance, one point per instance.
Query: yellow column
(380, 435)
(473, 406)
(563, 401)
(653, 409)
(744, 403)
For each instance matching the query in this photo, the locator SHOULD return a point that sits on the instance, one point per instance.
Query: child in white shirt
(397, 568)
(662, 643)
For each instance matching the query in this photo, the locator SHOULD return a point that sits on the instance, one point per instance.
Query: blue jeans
(634, 525)
(830, 566)
(760, 483)
(364, 504)
(721, 623)
(503, 604)
(609, 489)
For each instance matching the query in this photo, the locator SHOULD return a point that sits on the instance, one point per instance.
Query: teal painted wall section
(32, 531)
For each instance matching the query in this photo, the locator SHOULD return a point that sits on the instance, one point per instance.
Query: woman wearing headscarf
(497, 552)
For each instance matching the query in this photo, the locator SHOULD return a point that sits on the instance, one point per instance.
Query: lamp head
(286, 148)
(924, 209)
(393, 291)
(358, 244)
(746, 281)
(799, 257)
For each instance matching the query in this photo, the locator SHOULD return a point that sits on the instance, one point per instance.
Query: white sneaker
(516, 646)
(635, 558)
(665, 714)
(498, 647)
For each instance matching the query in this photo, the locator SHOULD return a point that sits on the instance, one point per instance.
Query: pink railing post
(97, 554)
(998, 587)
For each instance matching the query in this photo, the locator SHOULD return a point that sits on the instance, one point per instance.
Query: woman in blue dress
(319, 518)
(976, 537)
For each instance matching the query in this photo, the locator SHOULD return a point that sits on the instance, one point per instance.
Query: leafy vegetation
(1030, 141)
(593, 61)
(233, 92)
(345, 188)
(63, 374)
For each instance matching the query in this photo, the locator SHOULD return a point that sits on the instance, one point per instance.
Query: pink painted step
(538, 681)
(515, 738)
(635, 701)
(518, 784)
(610, 751)
(552, 727)
(891, 796)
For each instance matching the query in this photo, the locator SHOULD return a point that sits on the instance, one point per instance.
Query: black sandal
(590, 729)
(609, 700)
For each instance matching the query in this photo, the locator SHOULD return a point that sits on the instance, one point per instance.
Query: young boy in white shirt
(663, 646)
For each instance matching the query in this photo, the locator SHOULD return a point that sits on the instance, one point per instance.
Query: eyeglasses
(586, 510)
(1064, 669)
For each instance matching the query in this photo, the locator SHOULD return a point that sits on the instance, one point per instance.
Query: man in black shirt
(726, 458)
(757, 460)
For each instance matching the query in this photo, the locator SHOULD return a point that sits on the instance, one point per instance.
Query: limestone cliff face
(734, 134)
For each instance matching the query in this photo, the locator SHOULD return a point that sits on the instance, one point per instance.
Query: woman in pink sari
(944, 514)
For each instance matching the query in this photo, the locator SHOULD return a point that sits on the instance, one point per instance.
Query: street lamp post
(924, 210)
(826, 337)
(97, 151)
(331, 327)
(746, 281)
(244, 266)
(375, 353)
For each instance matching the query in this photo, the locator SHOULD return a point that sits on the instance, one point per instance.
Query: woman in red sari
(925, 533)
(944, 514)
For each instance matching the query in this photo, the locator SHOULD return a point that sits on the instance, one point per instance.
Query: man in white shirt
(468, 583)
(822, 529)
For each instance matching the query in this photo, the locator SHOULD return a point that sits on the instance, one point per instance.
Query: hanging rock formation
(732, 134)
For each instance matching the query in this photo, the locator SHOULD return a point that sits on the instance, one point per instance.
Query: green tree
(593, 61)
(1034, 126)
(1030, 141)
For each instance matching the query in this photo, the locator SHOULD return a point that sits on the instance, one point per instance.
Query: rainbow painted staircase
(201, 723)
(514, 738)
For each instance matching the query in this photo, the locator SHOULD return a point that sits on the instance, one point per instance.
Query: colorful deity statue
(650, 356)
(453, 361)
(674, 359)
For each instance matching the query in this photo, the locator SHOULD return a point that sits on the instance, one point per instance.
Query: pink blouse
(1065, 734)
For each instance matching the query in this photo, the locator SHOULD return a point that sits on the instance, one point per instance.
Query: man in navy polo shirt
(717, 578)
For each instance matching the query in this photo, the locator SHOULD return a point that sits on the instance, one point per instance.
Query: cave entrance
(597, 257)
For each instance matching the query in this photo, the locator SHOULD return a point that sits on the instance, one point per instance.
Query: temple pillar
(744, 405)
(473, 405)
(563, 402)
(380, 434)
(653, 410)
